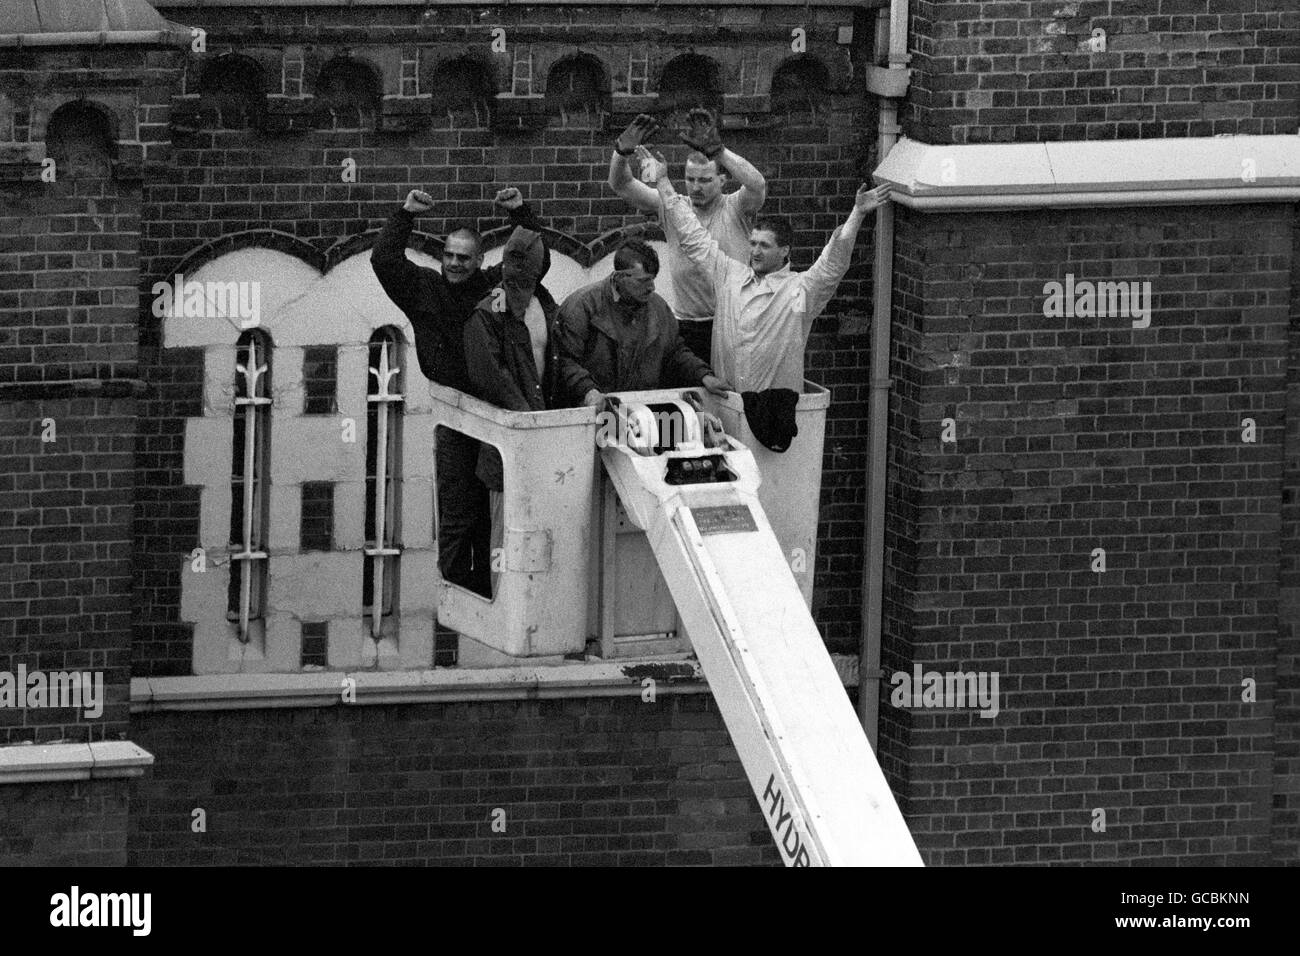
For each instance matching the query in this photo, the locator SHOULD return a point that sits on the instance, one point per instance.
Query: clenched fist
(509, 198)
(418, 201)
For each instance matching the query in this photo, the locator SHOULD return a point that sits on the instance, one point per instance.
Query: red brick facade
(1121, 690)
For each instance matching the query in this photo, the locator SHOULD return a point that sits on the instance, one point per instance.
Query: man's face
(635, 283)
(460, 259)
(703, 183)
(764, 254)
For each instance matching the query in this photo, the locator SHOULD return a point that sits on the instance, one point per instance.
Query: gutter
(1161, 197)
(174, 37)
(890, 84)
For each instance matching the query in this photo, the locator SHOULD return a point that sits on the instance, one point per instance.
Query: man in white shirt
(724, 216)
(764, 310)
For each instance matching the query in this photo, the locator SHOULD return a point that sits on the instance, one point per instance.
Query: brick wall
(68, 274)
(64, 824)
(1119, 690)
(605, 781)
(994, 71)
(1286, 803)
(224, 182)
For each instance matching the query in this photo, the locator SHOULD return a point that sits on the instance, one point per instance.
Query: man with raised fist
(438, 306)
(765, 310)
(724, 216)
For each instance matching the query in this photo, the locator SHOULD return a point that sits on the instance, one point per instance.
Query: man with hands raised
(724, 216)
(438, 306)
(764, 309)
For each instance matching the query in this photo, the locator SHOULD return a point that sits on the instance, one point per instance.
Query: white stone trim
(442, 685)
(676, 675)
(988, 176)
(50, 763)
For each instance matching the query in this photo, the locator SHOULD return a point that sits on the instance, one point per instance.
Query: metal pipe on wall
(893, 23)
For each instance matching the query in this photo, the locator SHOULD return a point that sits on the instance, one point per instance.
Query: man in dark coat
(619, 335)
(438, 305)
(508, 341)
(507, 352)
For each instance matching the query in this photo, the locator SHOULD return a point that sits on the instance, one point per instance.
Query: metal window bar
(638, 73)
(254, 486)
(525, 78)
(382, 550)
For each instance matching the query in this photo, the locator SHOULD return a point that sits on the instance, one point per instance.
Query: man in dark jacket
(507, 355)
(437, 305)
(508, 342)
(619, 335)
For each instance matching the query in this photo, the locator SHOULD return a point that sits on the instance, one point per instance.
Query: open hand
(702, 132)
(653, 167)
(638, 131)
(868, 199)
(715, 385)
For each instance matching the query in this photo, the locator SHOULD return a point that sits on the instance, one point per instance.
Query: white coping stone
(46, 763)
(925, 175)
(680, 674)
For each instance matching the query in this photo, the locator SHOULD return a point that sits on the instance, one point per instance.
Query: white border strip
(51, 763)
(442, 685)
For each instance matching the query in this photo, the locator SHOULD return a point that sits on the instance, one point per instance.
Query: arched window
(463, 92)
(347, 95)
(251, 442)
(799, 86)
(576, 97)
(231, 93)
(79, 141)
(384, 404)
(688, 81)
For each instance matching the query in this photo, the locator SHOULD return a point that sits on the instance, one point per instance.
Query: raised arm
(696, 244)
(400, 277)
(511, 200)
(621, 179)
(702, 135)
(820, 281)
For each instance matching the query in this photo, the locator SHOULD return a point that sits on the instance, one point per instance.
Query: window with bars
(521, 78)
(638, 73)
(246, 595)
(319, 380)
(384, 404)
(316, 532)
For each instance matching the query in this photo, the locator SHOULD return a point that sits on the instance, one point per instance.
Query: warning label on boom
(723, 519)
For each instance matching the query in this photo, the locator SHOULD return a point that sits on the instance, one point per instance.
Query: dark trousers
(464, 517)
(698, 337)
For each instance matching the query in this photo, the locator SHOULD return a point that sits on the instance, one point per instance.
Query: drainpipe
(890, 84)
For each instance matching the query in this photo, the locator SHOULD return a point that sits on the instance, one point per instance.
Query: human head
(704, 180)
(635, 266)
(521, 267)
(769, 244)
(462, 254)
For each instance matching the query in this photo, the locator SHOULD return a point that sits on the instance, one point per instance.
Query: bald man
(438, 306)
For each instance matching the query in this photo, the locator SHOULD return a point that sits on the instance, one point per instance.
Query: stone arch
(800, 85)
(577, 92)
(79, 137)
(272, 239)
(232, 92)
(463, 90)
(689, 81)
(348, 92)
